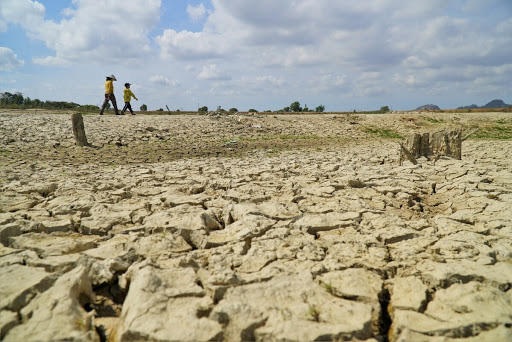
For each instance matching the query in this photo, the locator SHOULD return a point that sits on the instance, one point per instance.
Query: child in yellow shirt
(127, 93)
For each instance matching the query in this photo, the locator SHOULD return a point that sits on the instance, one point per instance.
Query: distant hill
(428, 107)
(496, 104)
(492, 104)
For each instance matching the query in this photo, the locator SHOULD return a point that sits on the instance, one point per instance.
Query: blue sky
(262, 54)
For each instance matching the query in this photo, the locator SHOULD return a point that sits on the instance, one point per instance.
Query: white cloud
(51, 61)
(212, 72)
(414, 62)
(9, 60)
(23, 12)
(68, 12)
(91, 33)
(282, 49)
(475, 5)
(271, 80)
(352, 48)
(162, 80)
(196, 13)
(187, 45)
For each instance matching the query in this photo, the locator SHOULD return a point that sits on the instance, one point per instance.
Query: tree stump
(79, 130)
(432, 145)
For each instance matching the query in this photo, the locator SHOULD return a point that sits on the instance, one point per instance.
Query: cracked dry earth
(211, 229)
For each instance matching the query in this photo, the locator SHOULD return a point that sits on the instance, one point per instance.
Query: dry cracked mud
(253, 228)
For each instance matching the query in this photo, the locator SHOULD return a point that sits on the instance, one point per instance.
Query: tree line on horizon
(17, 101)
(294, 107)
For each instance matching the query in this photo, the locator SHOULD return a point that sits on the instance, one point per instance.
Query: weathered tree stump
(79, 130)
(432, 146)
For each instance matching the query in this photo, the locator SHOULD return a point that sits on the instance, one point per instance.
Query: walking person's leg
(130, 107)
(126, 104)
(104, 104)
(114, 103)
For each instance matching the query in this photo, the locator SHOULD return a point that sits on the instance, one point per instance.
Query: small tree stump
(78, 129)
(432, 145)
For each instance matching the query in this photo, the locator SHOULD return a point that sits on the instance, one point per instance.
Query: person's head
(127, 85)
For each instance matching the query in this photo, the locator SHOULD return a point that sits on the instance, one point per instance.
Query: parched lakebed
(253, 228)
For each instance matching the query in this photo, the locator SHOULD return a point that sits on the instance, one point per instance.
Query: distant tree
(27, 102)
(320, 109)
(203, 109)
(18, 98)
(295, 107)
(253, 110)
(233, 110)
(384, 109)
(286, 109)
(160, 110)
(143, 108)
(11, 99)
(268, 111)
(5, 98)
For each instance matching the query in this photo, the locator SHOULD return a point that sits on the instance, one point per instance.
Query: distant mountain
(428, 107)
(492, 104)
(496, 104)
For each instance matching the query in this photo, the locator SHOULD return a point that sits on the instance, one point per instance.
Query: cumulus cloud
(196, 13)
(90, 33)
(351, 48)
(212, 72)
(9, 60)
(162, 80)
(475, 5)
(23, 12)
(272, 80)
(186, 45)
(298, 33)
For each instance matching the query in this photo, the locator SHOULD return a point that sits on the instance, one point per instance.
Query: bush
(253, 111)
(233, 110)
(203, 109)
(143, 108)
(320, 109)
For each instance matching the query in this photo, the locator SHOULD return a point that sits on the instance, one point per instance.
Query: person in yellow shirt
(109, 94)
(127, 93)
